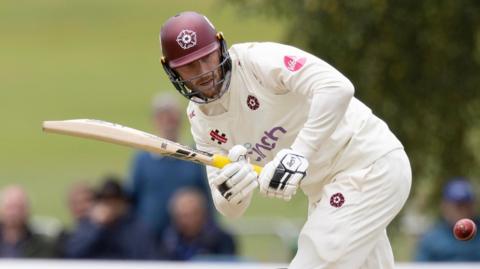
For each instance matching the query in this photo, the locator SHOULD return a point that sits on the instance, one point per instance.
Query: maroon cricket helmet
(185, 38)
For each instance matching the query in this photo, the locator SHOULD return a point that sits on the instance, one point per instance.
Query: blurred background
(415, 63)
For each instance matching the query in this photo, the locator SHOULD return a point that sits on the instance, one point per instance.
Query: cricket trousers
(346, 228)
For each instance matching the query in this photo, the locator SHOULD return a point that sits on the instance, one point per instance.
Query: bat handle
(220, 161)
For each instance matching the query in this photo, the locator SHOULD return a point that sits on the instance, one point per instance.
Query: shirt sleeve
(283, 69)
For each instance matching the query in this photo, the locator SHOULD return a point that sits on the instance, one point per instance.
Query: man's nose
(203, 66)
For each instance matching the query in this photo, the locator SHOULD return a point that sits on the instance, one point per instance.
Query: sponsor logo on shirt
(187, 39)
(252, 102)
(215, 135)
(294, 63)
(266, 143)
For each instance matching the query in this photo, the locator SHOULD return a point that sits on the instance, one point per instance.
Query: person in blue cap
(439, 244)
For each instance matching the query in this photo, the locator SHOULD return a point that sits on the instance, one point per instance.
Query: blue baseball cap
(458, 190)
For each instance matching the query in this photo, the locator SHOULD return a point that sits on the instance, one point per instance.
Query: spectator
(80, 199)
(155, 178)
(17, 240)
(192, 235)
(110, 231)
(439, 244)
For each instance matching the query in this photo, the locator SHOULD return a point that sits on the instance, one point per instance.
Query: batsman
(282, 108)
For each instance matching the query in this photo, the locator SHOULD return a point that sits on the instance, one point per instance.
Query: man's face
(14, 208)
(167, 122)
(203, 74)
(453, 211)
(189, 215)
(107, 210)
(80, 200)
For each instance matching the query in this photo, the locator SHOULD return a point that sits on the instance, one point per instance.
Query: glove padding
(236, 180)
(281, 177)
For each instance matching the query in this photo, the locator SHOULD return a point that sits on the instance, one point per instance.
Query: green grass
(85, 59)
(62, 59)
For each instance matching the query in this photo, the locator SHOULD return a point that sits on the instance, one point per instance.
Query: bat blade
(122, 135)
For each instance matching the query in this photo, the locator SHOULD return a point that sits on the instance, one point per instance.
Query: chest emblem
(187, 39)
(252, 102)
(294, 63)
(337, 200)
(221, 138)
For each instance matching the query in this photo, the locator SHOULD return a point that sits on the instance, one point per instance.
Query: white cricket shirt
(282, 97)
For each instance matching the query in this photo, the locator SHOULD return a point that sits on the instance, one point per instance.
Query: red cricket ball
(464, 229)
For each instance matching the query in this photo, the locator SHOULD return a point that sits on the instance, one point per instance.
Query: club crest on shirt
(187, 39)
(221, 138)
(252, 102)
(294, 63)
(337, 200)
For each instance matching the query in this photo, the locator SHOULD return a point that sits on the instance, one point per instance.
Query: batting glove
(281, 177)
(236, 180)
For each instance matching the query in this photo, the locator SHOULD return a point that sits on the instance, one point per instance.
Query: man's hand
(236, 180)
(280, 177)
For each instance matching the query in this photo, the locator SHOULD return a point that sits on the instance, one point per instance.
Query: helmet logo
(187, 39)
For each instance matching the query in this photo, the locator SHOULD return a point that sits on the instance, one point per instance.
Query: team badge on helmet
(252, 102)
(187, 39)
(337, 200)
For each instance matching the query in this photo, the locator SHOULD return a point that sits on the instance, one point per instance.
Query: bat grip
(220, 161)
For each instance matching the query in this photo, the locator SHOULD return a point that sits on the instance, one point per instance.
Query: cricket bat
(122, 135)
